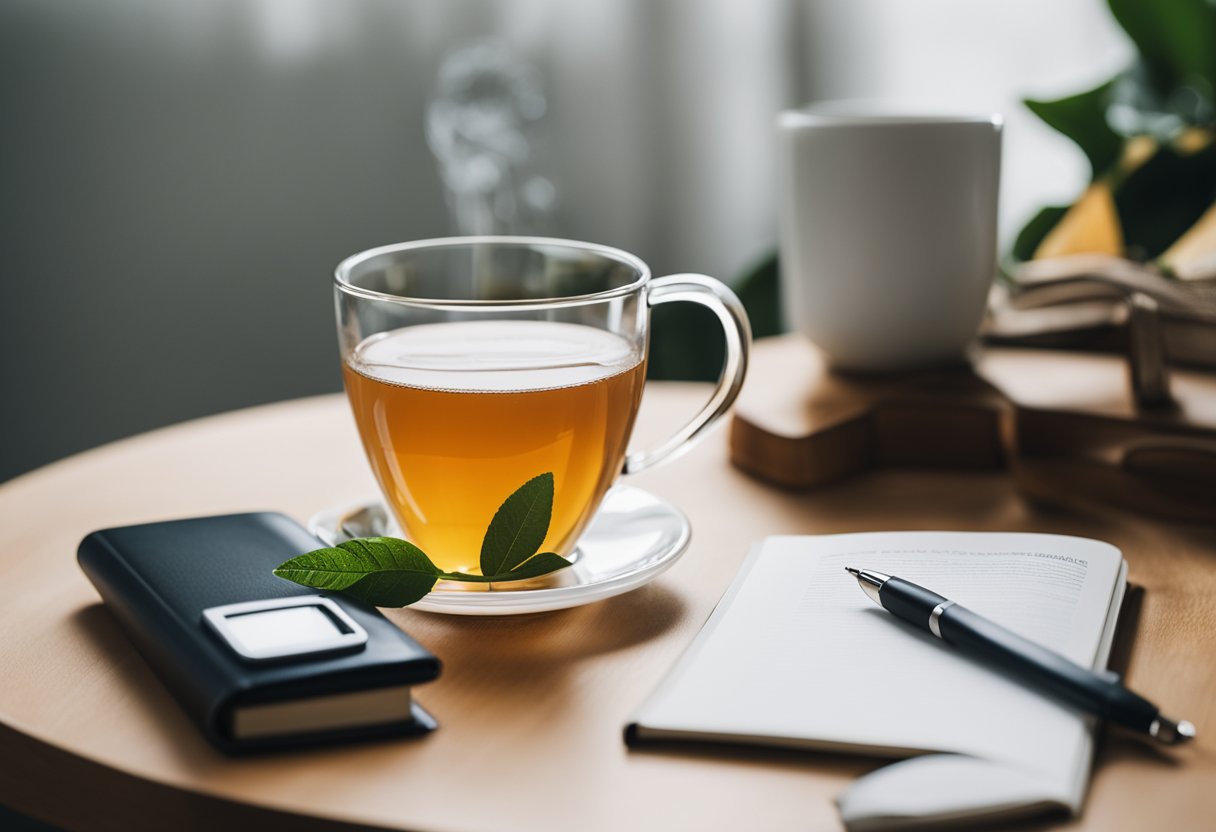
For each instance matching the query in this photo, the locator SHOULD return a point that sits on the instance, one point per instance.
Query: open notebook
(796, 655)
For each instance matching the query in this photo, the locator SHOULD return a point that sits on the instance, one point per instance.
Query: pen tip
(1169, 732)
(854, 572)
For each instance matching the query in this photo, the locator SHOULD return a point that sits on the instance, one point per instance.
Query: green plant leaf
(1175, 38)
(519, 526)
(1035, 230)
(380, 570)
(1082, 118)
(679, 349)
(759, 291)
(678, 346)
(1161, 199)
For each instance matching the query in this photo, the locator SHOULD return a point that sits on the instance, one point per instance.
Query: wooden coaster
(1062, 423)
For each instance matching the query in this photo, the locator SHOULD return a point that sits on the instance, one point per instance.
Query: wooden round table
(531, 707)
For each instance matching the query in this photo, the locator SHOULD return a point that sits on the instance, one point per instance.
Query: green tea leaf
(395, 588)
(388, 572)
(389, 553)
(380, 570)
(539, 564)
(535, 566)
(519, 526)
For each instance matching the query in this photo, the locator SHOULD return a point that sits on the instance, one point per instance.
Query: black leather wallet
(258, 662)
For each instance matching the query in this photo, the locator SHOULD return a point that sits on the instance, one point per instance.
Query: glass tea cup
(474, 364)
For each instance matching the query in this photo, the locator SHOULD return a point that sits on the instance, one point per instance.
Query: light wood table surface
(531, 707)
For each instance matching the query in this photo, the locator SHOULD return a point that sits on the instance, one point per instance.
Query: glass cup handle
(720, 300)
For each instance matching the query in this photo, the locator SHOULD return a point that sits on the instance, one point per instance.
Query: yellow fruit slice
(1091, 226)
(1192, 140)
(1136, 152)
(1193, 255)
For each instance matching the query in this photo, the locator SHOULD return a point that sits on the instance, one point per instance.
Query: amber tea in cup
(475, 364)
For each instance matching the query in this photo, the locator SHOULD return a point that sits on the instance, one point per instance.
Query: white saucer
(633, 539)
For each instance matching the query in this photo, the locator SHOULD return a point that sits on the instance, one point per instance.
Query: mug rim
(343, 271)
(861, 112)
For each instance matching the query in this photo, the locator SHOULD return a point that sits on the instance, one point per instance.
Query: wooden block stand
(1064, 425)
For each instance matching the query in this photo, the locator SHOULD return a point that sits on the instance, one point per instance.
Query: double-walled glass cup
(474, 364)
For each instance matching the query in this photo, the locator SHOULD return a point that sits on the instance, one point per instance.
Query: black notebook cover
(158, 578)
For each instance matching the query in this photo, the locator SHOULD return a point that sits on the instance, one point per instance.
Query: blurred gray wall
(174, 194)
(178, 178)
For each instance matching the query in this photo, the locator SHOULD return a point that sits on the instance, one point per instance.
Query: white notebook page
(797, 653)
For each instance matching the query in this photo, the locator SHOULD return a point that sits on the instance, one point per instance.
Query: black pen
(1097, 693)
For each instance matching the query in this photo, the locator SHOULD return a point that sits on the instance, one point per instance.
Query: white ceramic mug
(888, 231)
